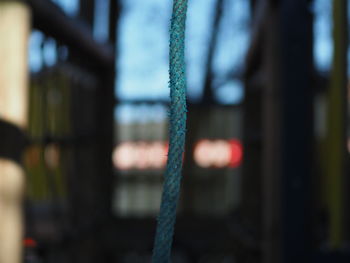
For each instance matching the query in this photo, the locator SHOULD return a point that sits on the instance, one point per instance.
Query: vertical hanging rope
(172, 177)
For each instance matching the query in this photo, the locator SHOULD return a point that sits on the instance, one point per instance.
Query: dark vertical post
(296, 66)
(84, 202)
(271, 158)
(250, 210)
(253, 141)
(105, 103)
(105, 117)
(207, 97)
(86, 11)
(253, 6)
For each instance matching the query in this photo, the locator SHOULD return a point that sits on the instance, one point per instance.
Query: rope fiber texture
(177, 130)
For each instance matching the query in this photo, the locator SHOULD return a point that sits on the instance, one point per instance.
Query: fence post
(14, 31)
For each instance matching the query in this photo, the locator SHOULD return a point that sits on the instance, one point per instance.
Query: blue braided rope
(172, 177)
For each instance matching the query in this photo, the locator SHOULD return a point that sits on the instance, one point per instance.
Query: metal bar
(208, 83)
(254, 54)
(50, 19)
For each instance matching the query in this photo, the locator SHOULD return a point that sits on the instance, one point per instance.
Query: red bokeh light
(29, 242)
(218, 153)
(236, 153)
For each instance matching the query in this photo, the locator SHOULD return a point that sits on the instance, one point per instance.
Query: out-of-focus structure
(60, 135)
(83, 136)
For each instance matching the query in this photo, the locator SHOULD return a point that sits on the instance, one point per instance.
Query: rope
(172, 177)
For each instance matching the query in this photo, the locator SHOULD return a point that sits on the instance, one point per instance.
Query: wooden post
(14, 31)
(336, 136)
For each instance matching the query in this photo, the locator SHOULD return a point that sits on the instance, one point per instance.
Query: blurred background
(265, 176)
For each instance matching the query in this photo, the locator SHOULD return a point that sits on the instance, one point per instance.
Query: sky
(323, 47)
(143, 57)
(143, 61)
(143, 44)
